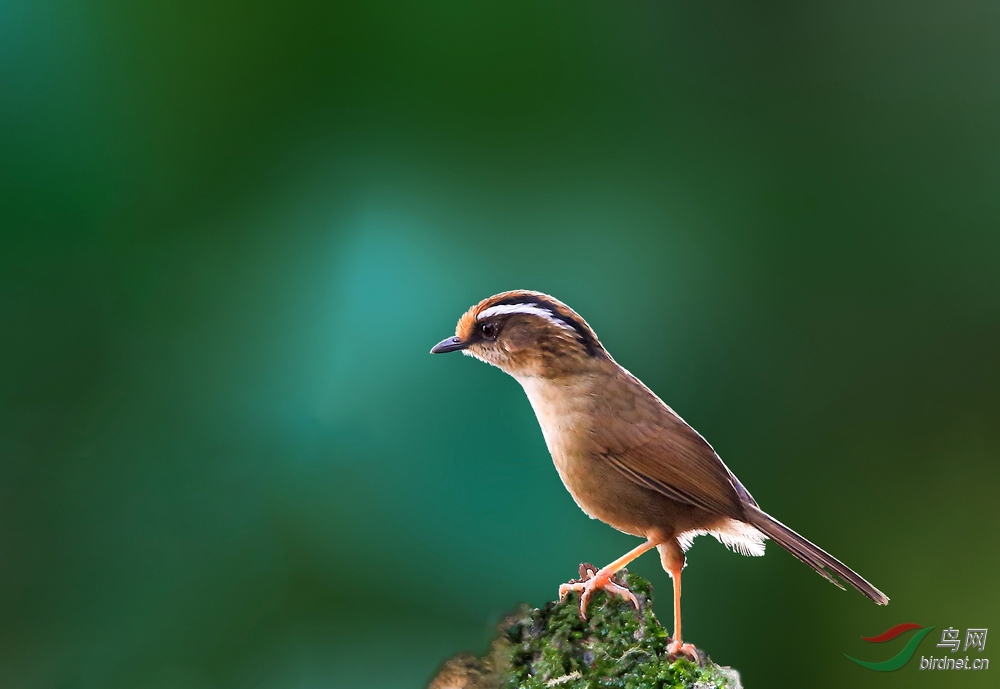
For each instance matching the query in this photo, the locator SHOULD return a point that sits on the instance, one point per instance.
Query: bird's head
(526, 334)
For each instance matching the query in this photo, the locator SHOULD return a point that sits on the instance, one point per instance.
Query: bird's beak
(452, 344)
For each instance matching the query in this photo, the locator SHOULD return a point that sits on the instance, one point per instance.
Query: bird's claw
(677, 648)
(591, 581)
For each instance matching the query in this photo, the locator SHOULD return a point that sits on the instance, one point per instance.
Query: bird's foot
(679, 648)
(590, 582)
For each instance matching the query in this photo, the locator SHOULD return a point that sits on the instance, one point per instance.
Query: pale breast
(562, 409)
(565, 412)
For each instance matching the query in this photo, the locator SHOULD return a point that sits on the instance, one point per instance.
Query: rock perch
(616, 647)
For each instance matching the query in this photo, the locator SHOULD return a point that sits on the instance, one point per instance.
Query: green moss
(617, 647)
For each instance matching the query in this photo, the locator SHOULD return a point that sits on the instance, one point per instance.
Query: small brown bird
(626, 457)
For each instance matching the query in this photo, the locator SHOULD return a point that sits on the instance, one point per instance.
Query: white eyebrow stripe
(530, 309)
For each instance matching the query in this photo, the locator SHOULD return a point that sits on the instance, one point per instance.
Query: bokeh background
(231, 232)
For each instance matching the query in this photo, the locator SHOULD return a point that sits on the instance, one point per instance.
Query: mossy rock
(617, 647)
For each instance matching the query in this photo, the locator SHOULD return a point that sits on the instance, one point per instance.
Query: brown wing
(654, 447)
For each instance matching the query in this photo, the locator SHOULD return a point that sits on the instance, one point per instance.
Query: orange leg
(601, 580)
(673, 561)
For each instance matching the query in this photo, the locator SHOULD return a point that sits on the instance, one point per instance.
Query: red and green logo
(901, 658)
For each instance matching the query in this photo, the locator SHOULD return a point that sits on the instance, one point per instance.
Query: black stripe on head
(584, 334)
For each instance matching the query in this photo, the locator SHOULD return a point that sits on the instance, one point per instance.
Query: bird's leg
(593, 581)
(673, 561)
(677, 646)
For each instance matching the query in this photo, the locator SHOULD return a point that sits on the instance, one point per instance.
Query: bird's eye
(489, 330)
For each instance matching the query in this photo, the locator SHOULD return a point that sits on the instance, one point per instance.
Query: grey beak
(452, 344)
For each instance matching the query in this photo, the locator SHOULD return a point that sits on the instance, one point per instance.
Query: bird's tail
(811, 554)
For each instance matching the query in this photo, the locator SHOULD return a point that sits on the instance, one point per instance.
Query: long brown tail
(810, 553)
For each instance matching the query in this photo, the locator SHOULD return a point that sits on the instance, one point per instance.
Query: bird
(625, 457)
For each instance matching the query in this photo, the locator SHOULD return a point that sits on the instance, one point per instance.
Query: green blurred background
(231, 232)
